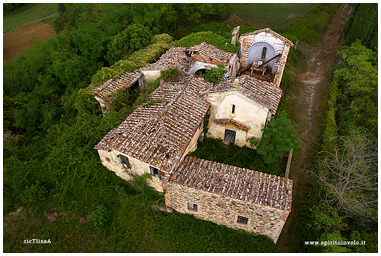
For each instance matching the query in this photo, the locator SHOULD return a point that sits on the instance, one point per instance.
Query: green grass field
(37, 12)
(271, 15)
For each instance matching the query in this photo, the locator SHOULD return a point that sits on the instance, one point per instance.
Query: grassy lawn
(37, 12)
(271, 15)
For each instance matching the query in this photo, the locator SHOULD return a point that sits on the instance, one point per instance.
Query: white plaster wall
(247, 112)
(114, 164)
(151, 75)
(257, 42)
(200, 65)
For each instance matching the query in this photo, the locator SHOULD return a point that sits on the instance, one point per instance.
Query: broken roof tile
(267, 30)
(174, 57)
(126, 80)
(210, 54)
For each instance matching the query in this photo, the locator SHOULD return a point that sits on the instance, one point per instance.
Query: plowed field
(15, 42)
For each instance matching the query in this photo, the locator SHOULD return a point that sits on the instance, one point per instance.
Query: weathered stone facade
(222, 193)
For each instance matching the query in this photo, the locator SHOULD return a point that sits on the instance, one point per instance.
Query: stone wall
(247, 112)
(225, 211)
(282, 64)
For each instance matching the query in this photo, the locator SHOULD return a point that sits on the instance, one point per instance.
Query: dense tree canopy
(278, 137)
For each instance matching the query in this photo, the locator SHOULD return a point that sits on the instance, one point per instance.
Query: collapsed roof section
(210, 54)
(174, 57)
(185, 57)
(267, 30)
(108, 88)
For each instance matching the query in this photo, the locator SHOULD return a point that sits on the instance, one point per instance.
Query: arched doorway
(199, 72)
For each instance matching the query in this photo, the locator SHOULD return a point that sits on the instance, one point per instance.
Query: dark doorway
(199, 72)
(229, 136)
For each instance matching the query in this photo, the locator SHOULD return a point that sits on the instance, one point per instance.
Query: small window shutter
(151, 170)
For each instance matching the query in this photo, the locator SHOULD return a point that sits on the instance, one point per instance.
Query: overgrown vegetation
(363, 26)
(210, 38)
(215, 150)
(343, 202)
(214, 75)
(51, 124)
(278, 138)
(311, 28)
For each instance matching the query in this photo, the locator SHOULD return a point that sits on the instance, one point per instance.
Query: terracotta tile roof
(234, 182)
(187, 83)
(110, 86)
(210, 54)
(232, 122)
(267, 30)
(175, 56)
(262, 92)
(159, 134)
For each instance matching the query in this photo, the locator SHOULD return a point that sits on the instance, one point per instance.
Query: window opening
(229, 136)
(233, 109)
(192, 207)
(125, 161)
(264, 50)
(242, 220)
(155, 172)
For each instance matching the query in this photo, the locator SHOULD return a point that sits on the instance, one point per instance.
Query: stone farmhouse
(157, 138)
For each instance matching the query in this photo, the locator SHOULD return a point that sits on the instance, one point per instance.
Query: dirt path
(307, 95)
(15, 42)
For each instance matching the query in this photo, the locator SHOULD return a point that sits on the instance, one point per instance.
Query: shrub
(34, 196)
(100, 216)
(141, 58)
(170, 74)
(214, 75)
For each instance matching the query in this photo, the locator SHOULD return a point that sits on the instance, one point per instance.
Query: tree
(133, 38)
(333, 248)
(358, 72)
(278, 137)
(349, 177)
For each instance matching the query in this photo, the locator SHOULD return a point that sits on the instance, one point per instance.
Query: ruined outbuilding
(227, 195)
(157, 136)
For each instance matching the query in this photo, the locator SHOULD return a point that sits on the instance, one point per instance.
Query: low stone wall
(225, 211)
